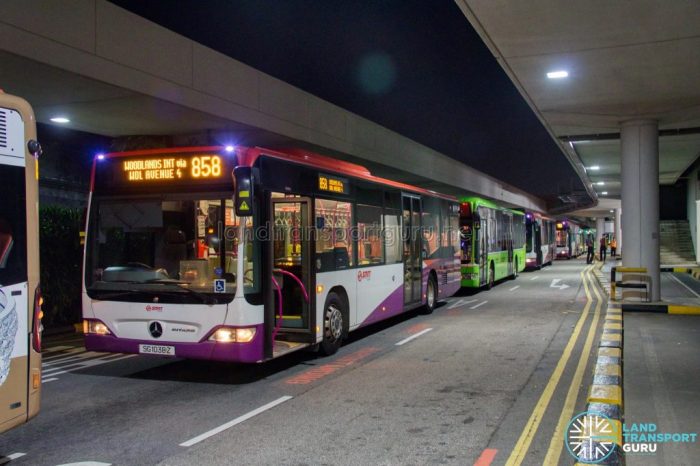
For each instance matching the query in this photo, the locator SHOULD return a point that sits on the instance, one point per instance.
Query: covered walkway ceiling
(626, 61)
(117, 74)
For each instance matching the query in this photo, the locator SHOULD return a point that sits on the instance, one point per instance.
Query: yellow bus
(20, 296)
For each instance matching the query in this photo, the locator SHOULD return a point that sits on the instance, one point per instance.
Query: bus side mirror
(243, 198)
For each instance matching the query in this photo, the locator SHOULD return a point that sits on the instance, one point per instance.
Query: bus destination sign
(333, 184)
(172, 168)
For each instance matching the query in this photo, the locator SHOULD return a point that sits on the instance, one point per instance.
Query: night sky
(414, 66)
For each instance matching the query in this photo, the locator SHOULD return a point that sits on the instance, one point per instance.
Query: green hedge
(61, 264)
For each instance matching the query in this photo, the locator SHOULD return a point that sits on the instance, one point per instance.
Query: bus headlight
(233, 335)
(96, 327)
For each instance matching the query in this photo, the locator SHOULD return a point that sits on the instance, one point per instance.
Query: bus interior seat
(342, 258)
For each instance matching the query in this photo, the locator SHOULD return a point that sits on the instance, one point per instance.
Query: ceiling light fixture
(60, 119)
(604, 193)
(593, 167)
(601, 183)
(559, 74)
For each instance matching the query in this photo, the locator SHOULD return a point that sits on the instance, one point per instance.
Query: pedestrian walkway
(661, 381)
(677, 288)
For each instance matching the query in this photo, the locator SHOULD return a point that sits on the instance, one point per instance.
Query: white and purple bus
(540, 240)
(246, 254)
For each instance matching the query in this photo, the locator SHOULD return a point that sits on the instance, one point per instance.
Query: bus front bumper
(208, 350)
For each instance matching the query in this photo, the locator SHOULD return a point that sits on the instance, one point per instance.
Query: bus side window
(392, 236)
(334, 242)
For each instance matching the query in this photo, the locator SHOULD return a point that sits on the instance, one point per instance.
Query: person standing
(589, 250)
(613, 246)
(603, 248)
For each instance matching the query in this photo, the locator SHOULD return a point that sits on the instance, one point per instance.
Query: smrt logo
(366, 275)
(150, 308)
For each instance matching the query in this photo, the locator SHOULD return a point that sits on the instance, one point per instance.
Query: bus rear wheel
(431, 294)
(333, 324)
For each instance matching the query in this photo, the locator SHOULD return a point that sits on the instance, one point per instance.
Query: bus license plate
(157, 349)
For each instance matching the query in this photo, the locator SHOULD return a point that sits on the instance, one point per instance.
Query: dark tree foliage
(61, 264)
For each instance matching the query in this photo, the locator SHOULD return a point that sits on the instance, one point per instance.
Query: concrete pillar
(640, 198)
(599, 230)
(618, 230)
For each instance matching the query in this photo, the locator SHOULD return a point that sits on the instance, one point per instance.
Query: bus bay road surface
(440, 389)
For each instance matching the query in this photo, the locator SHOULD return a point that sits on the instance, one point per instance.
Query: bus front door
(291, 273)
(412, 261)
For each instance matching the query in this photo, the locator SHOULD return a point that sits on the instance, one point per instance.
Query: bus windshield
(561, 238)
(186, 249)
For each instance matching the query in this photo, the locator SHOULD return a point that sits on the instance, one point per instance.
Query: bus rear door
(412, 262)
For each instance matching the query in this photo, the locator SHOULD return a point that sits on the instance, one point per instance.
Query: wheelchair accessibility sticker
(219, 285)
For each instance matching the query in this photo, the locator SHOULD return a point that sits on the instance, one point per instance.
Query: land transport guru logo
(590, 437)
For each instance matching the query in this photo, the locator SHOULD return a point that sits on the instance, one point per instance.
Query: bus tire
(492, 277)
(333, 324)
(431, 295)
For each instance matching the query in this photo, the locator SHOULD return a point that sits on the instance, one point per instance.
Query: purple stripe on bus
(391, 306)
(211, 350)
(451, 267)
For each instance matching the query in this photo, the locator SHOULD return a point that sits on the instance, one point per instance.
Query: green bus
(492, 242)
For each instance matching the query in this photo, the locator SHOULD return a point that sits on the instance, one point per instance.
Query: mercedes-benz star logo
(156, 329)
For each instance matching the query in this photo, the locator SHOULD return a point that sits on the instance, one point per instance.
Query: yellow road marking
(684, 310)
(523, 444)
(555, 445)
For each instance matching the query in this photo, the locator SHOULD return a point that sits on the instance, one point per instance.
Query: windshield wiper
(205, 298)
(116, 294)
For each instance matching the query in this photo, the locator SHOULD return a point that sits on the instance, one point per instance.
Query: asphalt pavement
(486, 378)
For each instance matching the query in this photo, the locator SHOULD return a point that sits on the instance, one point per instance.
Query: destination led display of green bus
(168, 167)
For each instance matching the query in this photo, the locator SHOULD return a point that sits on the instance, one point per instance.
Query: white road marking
(535, 277)
(479, 305)
(76, 357)
(514, 288)
(686, 286)
(49, 380)
(53, 349)
(232, 423)
(65, 353)
(90, 363)
(555, 284)
(406, 340)
(86, 463)
(11, 457)
(460, 302)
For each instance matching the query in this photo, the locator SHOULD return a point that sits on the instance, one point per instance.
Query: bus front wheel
(333, 324)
